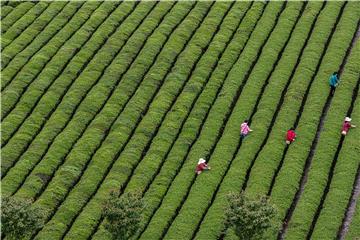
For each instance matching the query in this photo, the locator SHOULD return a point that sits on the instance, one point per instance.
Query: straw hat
(347, 119)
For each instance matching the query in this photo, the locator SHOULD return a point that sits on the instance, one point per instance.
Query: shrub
(123, 214)
(19, 218)
(249, 217)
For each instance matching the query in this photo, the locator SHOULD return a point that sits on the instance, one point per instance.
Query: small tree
(123, 214)
(249, 217)
(18, 218)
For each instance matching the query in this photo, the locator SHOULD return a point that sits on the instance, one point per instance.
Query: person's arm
(353, 126)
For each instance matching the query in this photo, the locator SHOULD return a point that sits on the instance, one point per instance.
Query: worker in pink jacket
(245, 129)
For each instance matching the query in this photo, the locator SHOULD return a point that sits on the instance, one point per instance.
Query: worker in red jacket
(201, 166)
(346, 126)
(290, 136)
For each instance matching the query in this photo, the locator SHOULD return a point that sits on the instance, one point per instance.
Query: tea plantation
(102, 96)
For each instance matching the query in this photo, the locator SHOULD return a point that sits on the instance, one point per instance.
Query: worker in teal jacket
(333, 81)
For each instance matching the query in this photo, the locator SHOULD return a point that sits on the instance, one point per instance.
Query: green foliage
(104, 96)
(18, 218)
(249, 217)
(123, 214)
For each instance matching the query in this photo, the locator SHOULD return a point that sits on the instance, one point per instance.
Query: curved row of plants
(67, 145)
(30, 33)
(47, 62)
(194, 101)
(11, 33)
(278, 86)
(187, 138)
(260, 186)
(5, 10)
(268, 159)
(31, 102)
(330, 136)
(162, 104)
(213, 128)
(111, 117)
(74, 102)
(293, 103)
(313, 115)
(205, 188)
(160, 44)
(345, 170)
(133, 151)
(31, 154)
(127, 96)
(21, 142)
(15, 15)
(33, 92)
(42, 39)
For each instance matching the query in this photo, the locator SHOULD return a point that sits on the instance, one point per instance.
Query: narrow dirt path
(344, 228)
(333, 165)
(282, 232)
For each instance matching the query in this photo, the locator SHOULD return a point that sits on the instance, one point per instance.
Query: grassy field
(127, 96)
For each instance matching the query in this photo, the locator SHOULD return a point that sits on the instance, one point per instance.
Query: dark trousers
(242, 136)
(332, 90)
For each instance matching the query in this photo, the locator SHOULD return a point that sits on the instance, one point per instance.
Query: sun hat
(201, 160)
(347, 119)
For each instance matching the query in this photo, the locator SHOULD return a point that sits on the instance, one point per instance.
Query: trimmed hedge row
(14, 15)
(95, 84)
(330, 136)
(26, 105)
(145, 167)
(335, 204)
(12, 3)
(131, 116)
(164, 99)
(212, 225)
(5, 10)
(207, 138)
(30, 134)
(292, 101)
(16, 64)
(133, 151)
(31, 32)
(21, 141)
(22, 23)
(193, 113)
(46, 62)
(144, 176)
(204, 188)
(53, 97)
(269, 158)
(285, 188)
(106, 119)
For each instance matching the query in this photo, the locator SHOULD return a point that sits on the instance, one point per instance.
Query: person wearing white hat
(201, 166)
(346, 126)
